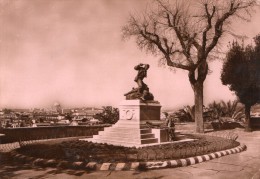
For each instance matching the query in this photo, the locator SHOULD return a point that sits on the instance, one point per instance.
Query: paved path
(245, 165)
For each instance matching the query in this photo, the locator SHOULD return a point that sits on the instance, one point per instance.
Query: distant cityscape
(54, 116)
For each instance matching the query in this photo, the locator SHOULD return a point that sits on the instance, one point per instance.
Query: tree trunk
(198, 96)
(197, 78)
(248, 121)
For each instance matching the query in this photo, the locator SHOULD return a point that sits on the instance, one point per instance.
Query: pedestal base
(131, 130)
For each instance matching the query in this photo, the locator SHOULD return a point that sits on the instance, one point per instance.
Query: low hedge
(83, 151)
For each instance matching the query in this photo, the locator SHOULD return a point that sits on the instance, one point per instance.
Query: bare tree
(185, 35)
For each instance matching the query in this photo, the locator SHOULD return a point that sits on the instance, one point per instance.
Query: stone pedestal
(136, 111)
(131, 130)
(161, 134)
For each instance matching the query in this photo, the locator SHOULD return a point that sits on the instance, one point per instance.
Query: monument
(135, 111)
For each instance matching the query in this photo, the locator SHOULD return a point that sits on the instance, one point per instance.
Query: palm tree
(232, 110)
(229, 109)
(186, 114)
(216, 110)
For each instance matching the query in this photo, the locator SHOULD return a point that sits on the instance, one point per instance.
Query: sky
(72, 52)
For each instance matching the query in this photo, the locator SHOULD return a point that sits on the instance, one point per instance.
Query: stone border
(126, 166)
(9, 146)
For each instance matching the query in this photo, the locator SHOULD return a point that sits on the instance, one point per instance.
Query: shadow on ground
(12, 169)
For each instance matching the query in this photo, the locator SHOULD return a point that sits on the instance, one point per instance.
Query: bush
(225, 111)
(109, 115)
(186, 114)
(83, 151)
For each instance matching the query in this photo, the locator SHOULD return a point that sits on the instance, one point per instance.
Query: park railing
(50, 132)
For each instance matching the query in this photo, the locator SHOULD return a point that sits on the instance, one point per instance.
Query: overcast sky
(72, 52)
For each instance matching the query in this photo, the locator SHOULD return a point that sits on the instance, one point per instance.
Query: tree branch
(182, 38)
(233, 8)
(209, 25)
(147, 35)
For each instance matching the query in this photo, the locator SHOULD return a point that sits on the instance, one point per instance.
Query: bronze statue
(142, 92)
(142, 73)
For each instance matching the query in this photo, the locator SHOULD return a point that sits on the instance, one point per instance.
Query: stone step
(136, 135)
(120, 141)
(132, 137)
(128, 130)
(131, 125)
(180, 137)
(122, 130)
(177, 133)
(124, 137)
(127, 144)
(149, 141)
(147, 135)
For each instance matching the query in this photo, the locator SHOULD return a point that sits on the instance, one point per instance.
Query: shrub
(82, 151)
(226, 111)
(186, 114)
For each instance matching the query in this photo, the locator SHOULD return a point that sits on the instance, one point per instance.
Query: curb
(126, 166)
(9, 146)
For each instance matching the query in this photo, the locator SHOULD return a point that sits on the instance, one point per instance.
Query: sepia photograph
(133, 89)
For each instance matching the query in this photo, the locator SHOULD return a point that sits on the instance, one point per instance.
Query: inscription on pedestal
(128, 114)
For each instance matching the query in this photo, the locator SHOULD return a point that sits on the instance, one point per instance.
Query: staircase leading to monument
(131, 129)
(123, 133)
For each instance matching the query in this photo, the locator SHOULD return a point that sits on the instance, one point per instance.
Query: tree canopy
(109, 115)
(185, 34)
(241, 72)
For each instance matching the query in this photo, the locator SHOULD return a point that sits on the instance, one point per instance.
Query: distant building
(66, 111)
(48, 116)
(8, 116)
(85, 113)
(22, 110)
(57, 107)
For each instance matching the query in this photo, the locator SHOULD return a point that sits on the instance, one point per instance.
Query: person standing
(170, 127)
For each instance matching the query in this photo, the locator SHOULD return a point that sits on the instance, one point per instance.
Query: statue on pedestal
(142, 91)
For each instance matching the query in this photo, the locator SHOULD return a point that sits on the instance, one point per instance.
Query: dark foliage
(241, 72)
(225, 110)
(219, 125)
(68, 116)
(7, 111)
(109, 115)
(185, 114)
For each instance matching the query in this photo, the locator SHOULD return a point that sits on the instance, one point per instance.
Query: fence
(50, 132)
